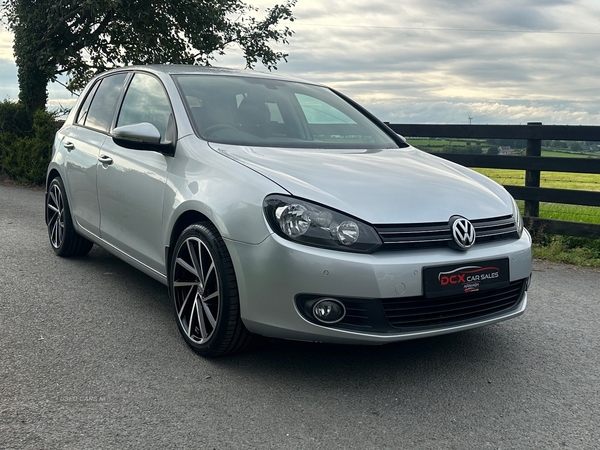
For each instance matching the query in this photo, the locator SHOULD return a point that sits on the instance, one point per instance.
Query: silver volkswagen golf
(277, 207)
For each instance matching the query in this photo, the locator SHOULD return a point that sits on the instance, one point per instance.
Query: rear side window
(83, 111)
(100, 113)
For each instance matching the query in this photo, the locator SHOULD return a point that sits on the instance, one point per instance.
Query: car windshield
(273, 113)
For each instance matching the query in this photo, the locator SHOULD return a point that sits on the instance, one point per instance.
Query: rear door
(82, 142)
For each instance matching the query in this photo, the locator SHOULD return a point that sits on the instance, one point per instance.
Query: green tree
(473, 150)
(80, 38)
(25, 143)
(492, 151)
(576, 146)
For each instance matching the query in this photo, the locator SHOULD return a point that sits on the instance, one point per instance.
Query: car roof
(188, 69)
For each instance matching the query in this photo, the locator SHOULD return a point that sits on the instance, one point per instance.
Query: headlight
(311, 224)
(518, 218)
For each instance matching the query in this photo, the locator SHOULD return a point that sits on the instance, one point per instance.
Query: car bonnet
(379, 186)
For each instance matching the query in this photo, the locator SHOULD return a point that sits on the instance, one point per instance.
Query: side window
(274, 112)
(319, 112)
(145, 101)
(83, 111)
(102, 109)
(329, 124)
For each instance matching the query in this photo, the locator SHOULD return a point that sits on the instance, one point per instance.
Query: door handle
(69, 146)
(105, 159)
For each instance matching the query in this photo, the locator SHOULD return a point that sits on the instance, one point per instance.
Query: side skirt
(158, 276)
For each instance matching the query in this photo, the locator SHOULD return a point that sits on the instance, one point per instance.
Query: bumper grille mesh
(420, 313)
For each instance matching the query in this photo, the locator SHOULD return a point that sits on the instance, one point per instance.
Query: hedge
(25, 142)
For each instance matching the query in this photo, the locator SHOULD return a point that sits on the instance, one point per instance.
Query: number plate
(465, 278)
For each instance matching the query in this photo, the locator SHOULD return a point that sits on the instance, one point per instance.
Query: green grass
(504, 176)
(431, 143)
(569, 250)
(559, 154)
(557, 180)
(565, 249)
(573, 213)
(438, 144)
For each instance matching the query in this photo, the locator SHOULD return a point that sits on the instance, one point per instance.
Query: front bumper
(272, 274)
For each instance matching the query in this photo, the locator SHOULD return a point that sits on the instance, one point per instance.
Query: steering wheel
(217, 127)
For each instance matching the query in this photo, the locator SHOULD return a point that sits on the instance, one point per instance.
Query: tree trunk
(32, 85)
(33, 71)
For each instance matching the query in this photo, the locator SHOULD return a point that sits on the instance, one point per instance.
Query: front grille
(392, 315)
(413, 313)
(405, 236)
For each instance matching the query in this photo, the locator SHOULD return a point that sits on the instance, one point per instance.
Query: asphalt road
(90, 357)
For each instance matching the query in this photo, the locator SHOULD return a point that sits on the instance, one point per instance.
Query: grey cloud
(8, 78)
(522, 17)
(336, 9)
(482, 113)
(414, 61)
(398, 73)
(9, 88)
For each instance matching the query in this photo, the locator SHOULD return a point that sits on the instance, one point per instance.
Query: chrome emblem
(463, 232)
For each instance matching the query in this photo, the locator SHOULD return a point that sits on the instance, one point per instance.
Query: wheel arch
(230, 223)
(186, 219)
(52, 174)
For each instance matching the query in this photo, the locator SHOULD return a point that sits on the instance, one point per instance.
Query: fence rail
(533, 163)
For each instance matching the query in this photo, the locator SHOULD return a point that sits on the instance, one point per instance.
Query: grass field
(558, 180)
(556, 154)
(439, 144)
(444, 142)
(567, 249)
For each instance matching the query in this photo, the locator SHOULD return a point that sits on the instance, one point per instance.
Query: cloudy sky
(437, 61)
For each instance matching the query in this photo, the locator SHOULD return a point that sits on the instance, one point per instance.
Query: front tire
(64, 239)
(203, 287)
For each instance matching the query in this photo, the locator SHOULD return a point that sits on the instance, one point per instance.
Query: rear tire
(64, 239)
(203, 287)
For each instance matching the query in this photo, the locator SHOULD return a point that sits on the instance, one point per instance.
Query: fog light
(329, 310)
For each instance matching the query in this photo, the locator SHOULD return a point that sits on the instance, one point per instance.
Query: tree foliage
(15, 119)
(80, 38)
(25, 142)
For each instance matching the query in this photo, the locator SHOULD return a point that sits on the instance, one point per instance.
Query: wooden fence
(532, 163)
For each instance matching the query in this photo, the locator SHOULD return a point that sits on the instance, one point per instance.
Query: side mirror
(141, 136)
(402, 138)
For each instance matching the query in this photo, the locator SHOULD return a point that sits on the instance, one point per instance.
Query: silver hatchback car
(272, 206)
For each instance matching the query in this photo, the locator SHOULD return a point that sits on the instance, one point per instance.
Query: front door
(131, 183)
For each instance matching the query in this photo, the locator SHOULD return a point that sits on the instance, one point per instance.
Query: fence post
(532, 177)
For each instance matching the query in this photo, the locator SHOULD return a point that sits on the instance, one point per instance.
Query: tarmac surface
(90, 357)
